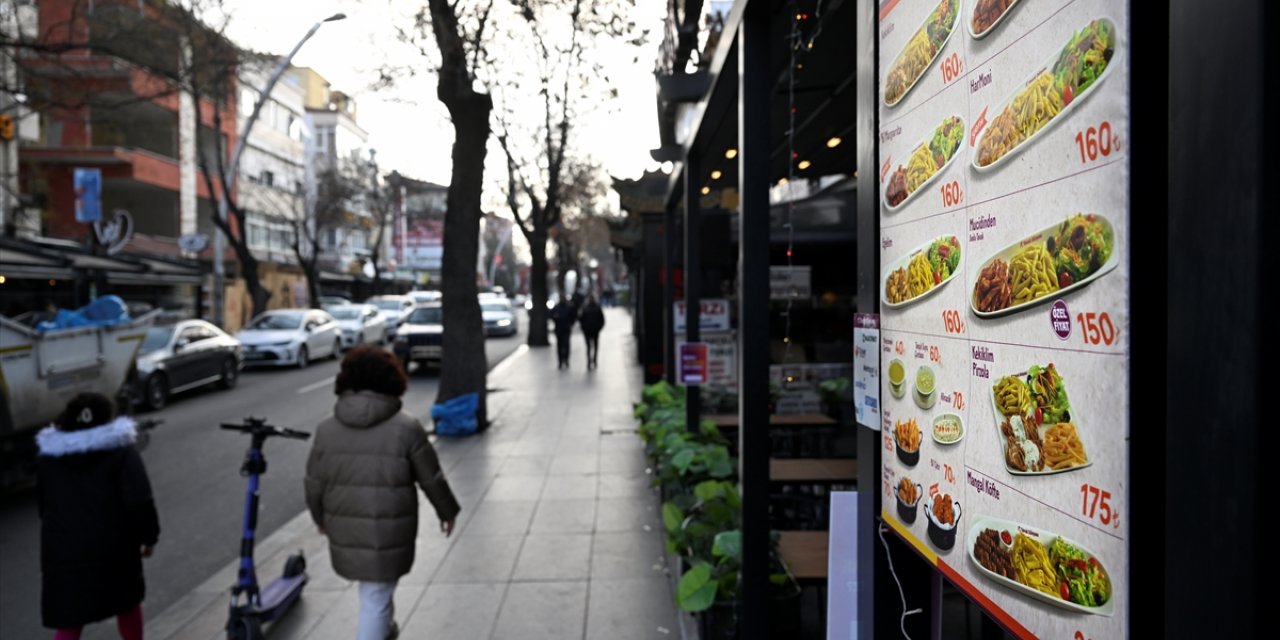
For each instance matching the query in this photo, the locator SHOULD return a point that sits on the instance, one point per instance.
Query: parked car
(184, 355)
(420, 336)
(332, 301)
(393, 308)
(359, 324)
(290, 337)
(426, 297)
(499, 317)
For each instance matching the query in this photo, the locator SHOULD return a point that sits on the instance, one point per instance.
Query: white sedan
(393, 308)
(499, 317)
(290, 337)
(359, 324)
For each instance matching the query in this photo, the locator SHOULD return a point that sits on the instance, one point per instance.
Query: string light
(706, 190)
(796, 41)
(730, 154)
(834, 142)
(715, 175)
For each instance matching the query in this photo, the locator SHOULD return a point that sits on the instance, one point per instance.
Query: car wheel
(230, 374)
(157, 392)
(302, 357)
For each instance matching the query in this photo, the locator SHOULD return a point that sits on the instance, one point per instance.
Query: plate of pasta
(927, 161)
(924, 46)
(1069, 77)
(1045, 265)
(921, 272)
(1037, 432)
(1041, 565)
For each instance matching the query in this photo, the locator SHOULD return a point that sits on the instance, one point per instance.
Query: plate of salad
(921, 272)
(1041, 565)
(1067, 78)
(927, 161)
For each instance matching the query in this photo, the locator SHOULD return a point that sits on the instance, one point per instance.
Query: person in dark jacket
(360, 484)
(97, 519)
(591, 318)
(563, 315)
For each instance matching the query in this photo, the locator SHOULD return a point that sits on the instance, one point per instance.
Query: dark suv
(420, 334)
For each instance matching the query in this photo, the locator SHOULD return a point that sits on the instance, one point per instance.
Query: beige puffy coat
(364, 464)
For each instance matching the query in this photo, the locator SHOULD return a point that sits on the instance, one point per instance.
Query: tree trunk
(538, 290)
(249, 271)
(464, 367)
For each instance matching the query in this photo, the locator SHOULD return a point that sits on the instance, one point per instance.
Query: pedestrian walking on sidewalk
(360, 484)
(563, 315)
(592, 320)
(97, 519)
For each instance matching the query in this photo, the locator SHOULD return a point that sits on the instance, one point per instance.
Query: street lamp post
(219, 264)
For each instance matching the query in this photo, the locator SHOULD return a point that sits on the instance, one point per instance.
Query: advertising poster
(1004, 306)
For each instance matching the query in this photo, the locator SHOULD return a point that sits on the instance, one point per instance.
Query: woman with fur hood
(97, 519)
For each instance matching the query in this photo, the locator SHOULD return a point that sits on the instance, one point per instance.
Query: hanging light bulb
(834, 142)
(730, 154)
(804, 164)
(706, 190)
(715, 175)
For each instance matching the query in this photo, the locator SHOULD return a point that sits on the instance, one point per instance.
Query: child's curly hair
(368, 367)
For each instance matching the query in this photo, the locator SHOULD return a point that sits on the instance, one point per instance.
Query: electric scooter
(252, 607)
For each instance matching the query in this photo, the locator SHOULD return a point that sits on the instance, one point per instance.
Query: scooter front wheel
(244, 628)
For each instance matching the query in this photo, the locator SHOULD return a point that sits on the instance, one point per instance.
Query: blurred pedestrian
(592, 320)
(563, 315)
(97, 519)
(360, 484)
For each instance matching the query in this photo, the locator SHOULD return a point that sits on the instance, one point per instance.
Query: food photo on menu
(987, 15)
(1040, 565)
(922, 271)
(1036, 428)
(922, 49)
(926, 162)
(1071, 76)
(1046, 265)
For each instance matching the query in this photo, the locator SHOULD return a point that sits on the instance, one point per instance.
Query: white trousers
(377, 610)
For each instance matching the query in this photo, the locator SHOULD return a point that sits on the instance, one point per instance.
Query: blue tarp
(105, 311)
(457, 416)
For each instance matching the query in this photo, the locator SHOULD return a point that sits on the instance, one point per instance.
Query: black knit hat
(86, 411)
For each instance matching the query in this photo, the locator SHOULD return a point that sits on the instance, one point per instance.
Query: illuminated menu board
(1004, 218)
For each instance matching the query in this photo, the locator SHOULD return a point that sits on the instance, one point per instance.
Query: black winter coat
(591, 319)
(96, 514)
(563, 315)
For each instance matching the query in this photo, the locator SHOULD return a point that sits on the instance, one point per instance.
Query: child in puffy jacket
(97, 519)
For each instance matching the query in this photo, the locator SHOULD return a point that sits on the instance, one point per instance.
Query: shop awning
(40, 260)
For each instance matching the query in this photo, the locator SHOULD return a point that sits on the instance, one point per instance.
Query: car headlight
(505, 322)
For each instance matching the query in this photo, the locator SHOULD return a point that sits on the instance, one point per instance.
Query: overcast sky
(407, 125)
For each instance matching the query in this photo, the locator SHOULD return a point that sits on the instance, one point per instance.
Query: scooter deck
(278, 595)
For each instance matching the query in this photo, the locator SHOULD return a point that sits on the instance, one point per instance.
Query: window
(268, 178)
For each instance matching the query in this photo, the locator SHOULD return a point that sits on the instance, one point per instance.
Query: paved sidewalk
(559, 538)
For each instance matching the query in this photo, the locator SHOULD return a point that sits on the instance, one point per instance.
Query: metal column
(753, 316)
(668, 293)
(692, 277)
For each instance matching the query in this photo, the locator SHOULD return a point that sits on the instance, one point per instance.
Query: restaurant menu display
(1004, 218)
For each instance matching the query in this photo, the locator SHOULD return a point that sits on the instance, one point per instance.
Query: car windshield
(273, 321)
(388, 305)
(348, 313)
(495, 306)
(426, 315)
(157, 338)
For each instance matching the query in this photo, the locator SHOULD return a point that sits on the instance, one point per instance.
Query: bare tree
(546, 178)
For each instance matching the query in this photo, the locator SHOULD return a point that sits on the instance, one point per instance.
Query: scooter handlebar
(259, 427)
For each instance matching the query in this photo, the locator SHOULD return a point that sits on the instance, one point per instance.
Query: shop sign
(694, 368)
(866, 369)
(713, 315)
(88, 188)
